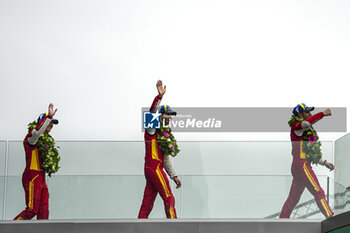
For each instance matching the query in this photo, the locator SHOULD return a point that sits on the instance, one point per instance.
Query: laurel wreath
(167, 141)
(48, 151)
(311, 144)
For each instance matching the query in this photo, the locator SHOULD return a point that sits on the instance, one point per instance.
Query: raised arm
(302, 126)
(155, 103)
(161, 91)
(40, 128)
(305, 124)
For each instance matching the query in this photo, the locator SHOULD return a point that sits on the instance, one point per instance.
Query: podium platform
(163, 226)
(337, 224)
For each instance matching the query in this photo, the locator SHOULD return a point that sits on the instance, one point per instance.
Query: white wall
(98, 61)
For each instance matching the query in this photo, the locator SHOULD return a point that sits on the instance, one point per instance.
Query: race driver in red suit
(155, 161)
(33, 178)
(303, 175)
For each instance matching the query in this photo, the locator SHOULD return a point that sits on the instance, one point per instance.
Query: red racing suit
(33, 178)
(156, 179)
(303, 175)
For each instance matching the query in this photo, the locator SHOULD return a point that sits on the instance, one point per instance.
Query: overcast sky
(98, 61)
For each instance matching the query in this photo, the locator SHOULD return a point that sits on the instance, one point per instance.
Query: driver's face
(306, 114)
